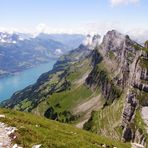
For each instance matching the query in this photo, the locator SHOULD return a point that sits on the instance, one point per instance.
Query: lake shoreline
(9, 74)
(19, 80)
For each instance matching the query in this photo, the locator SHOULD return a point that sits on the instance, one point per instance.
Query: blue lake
(18, 81)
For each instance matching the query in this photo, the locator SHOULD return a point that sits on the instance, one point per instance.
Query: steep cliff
(121, 75)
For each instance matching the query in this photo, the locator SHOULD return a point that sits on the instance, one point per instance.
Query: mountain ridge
(115, 72)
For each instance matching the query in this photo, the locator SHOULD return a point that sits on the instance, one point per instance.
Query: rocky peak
(116, 42)
(124, 65)
(113, 40)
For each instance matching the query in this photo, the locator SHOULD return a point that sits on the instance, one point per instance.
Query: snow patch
(58, 52)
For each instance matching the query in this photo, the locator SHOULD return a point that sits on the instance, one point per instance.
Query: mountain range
(99, 87)
(20, 51)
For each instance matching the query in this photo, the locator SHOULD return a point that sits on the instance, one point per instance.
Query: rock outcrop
(7, 135)
(128, 113)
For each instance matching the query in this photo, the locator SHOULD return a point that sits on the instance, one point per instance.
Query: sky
(74, 16)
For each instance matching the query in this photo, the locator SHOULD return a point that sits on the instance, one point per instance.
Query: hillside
(101, 90)
(33, 130)
(63, 82)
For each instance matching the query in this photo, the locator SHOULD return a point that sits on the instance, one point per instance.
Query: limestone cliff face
(118, 60)
(136, 99)
(127, 116)
(141, 73)
(123, 70)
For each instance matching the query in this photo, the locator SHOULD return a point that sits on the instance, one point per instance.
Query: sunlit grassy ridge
(51, 134)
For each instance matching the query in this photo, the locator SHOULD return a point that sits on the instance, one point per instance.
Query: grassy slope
(51, 134)
(107, 121)
(70, 98)
(64, 101)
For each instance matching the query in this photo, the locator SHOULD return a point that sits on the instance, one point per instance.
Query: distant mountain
(71, 40)
(19, 51)
(9, 38)
(13, 38)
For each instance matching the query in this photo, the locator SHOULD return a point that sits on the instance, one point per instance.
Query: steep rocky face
(112, 75)
(141, 73)
(123, 71)
(129, 110)
(136, 98)
(99, 78)
(119, 53)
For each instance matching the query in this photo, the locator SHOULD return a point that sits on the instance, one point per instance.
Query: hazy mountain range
(19, 51)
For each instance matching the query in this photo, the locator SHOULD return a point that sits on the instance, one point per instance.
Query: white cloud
(12, 30)
(123, 2)
(44, 28)
(102, 28)
(139, 34)
(90, 28)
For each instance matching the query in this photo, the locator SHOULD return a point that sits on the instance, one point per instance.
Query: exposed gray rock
(5, 132)
(129, 109)
(144, 113)
(122, 57)
(127, 116)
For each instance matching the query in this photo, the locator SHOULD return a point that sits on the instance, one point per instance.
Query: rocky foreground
(7, 135)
